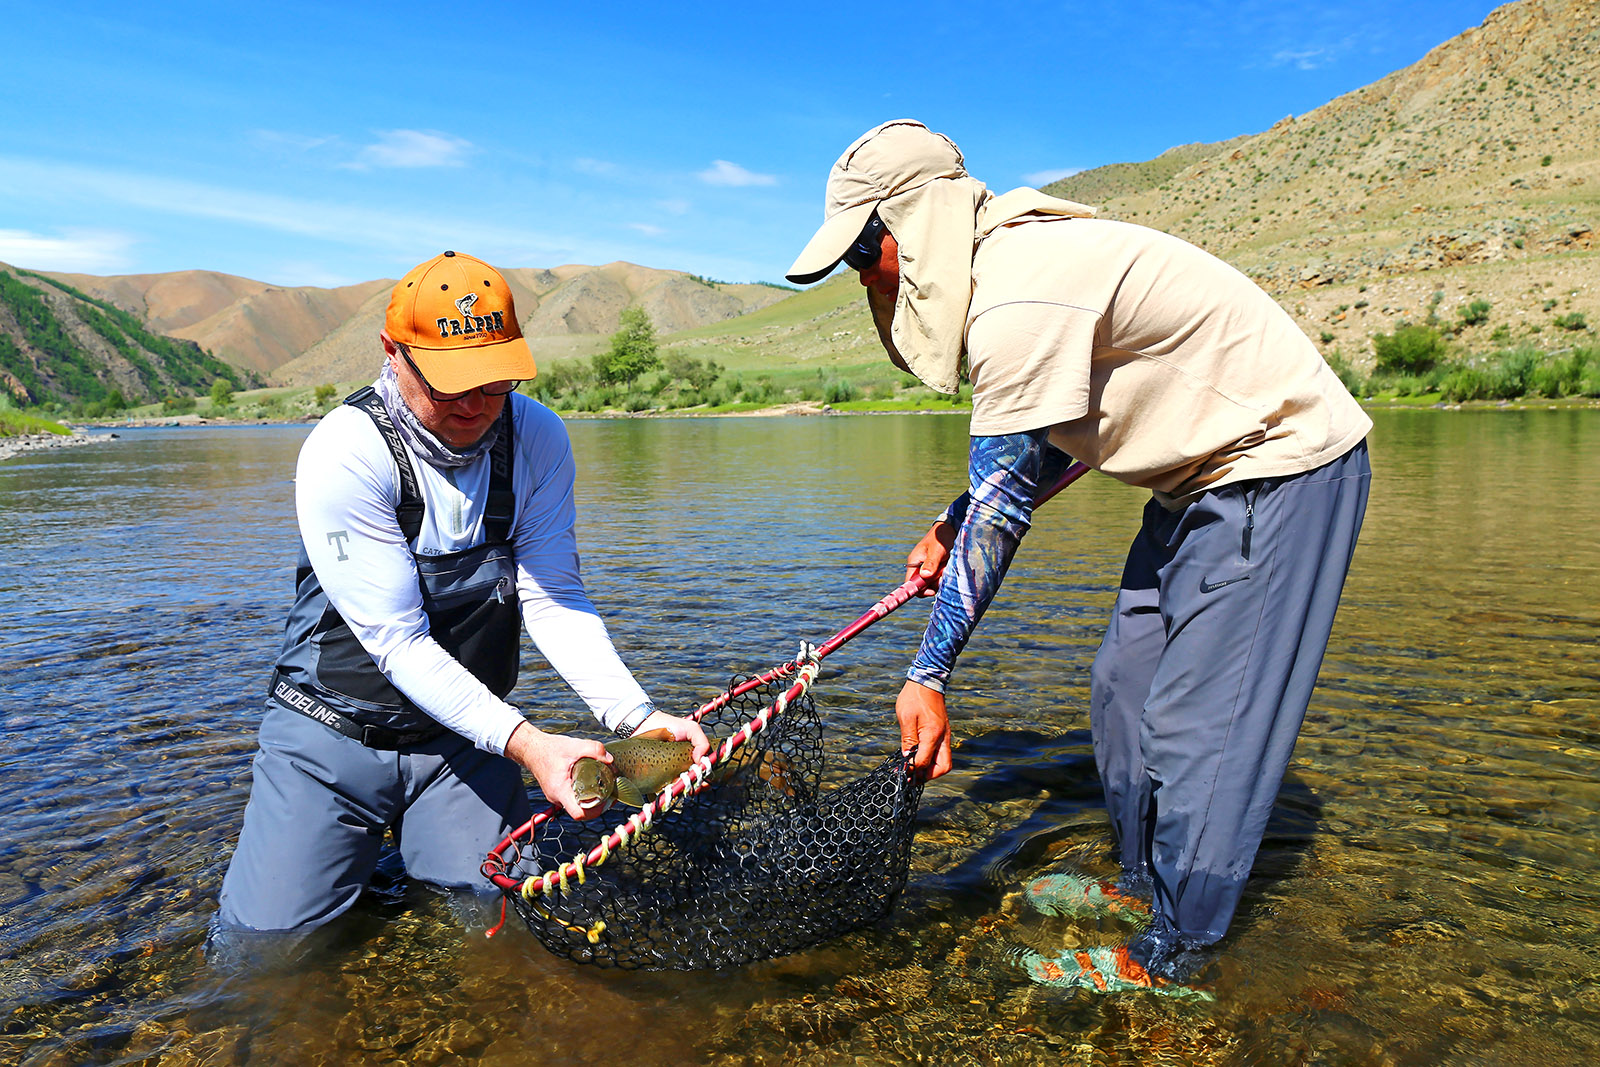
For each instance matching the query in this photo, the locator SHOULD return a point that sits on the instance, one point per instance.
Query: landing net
(759, 850)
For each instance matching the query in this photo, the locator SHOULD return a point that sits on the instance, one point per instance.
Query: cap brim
(829, 244)
(455, 370)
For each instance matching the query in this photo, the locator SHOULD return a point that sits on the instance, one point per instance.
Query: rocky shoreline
(40, 442)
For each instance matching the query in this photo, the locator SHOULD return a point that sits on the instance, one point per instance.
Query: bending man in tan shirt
(1160, 365)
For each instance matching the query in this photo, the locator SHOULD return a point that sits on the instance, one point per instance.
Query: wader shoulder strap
(410, 510)
(501, 507)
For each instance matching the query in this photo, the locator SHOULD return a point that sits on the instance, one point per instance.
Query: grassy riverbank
(14, 423)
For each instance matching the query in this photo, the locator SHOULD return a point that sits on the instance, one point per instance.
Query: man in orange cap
(436, 522)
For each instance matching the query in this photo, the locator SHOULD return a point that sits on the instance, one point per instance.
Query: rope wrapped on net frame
(749, 854)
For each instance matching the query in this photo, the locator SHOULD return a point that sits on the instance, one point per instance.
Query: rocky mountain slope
(60, 344)
(1472, 175)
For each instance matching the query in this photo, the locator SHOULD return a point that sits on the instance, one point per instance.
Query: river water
(1426, 892)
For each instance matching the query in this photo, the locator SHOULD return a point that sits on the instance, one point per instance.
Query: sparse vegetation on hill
(1474, 172)
(67, 352)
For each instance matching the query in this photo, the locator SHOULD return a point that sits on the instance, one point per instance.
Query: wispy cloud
(350, 225)
(1045, 177)
(721, 172)
(674, 207)
(599, 168)
(413, 148)
(1309, 56)
(646, 228)
(280, 140)
(87, 251)
(1305, 59)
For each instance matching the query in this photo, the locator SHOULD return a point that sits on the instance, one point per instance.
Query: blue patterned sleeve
(1006, 473)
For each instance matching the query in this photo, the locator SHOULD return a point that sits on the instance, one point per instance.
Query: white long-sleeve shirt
(346, 491)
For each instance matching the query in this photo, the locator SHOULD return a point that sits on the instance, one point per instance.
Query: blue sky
(326, 144)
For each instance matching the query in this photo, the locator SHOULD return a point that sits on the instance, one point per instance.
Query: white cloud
(674, 207)
(1308, 59)
(646, 229)
(721, 172)
(1045, 177)
(277, 140)
(414, 148)
(600, 168)
(85, 251)
(353, 225)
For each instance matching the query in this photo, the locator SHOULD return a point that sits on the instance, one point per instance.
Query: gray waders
(1200, 686)
(345, 757)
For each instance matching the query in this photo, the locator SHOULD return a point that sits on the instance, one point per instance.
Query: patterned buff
(423, 444)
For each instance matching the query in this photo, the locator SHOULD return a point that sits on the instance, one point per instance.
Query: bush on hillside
(1410, 350)
(1347, 374)
(1474, 314)
(839, 391)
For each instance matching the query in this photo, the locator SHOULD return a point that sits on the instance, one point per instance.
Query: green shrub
(839, 391)
(1466, 383)
(1409, 350)
(699, 375)
(323, 394)
(1573, 321)
(1474, 314)
(1347, 374)
(221, 393)
(566, 376)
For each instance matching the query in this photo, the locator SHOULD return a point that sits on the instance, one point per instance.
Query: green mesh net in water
(760, 860)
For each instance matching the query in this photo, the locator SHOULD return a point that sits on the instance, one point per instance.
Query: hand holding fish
(664, 727)
(550, 758)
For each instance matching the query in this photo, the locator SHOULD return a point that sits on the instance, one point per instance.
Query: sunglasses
(490, 389)
(868, 249)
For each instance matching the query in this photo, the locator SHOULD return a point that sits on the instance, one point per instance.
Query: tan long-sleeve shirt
(1148, 358)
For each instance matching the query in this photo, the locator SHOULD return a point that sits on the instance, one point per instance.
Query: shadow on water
(1426, 892)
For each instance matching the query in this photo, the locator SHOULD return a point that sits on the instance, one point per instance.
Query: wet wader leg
(1119, 682)
(1250, 594)
(460, 802)
(319, 803)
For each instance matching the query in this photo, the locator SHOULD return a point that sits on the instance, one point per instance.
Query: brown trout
(641, 766)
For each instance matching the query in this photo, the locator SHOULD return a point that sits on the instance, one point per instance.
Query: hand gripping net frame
(747, 855)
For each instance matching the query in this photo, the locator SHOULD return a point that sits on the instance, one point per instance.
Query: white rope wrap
(693, 780)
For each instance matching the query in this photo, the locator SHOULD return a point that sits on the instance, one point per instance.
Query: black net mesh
(772, 858)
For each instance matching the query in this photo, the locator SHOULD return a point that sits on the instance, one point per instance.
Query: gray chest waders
(470, 598)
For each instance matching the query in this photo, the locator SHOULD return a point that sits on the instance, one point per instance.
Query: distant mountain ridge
(60, 344)
(306, 335)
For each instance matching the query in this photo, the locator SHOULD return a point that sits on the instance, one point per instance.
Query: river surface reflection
(1426, 892)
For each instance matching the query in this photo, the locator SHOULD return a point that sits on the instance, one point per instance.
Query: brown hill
(566, 310)
(1473, 174)
(249, 324)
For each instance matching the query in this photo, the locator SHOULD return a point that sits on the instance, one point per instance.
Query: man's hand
(550, 758)
(664, 727)
(925, 727)
(930, 556)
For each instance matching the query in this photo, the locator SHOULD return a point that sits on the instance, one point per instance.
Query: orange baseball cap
(456, 315)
